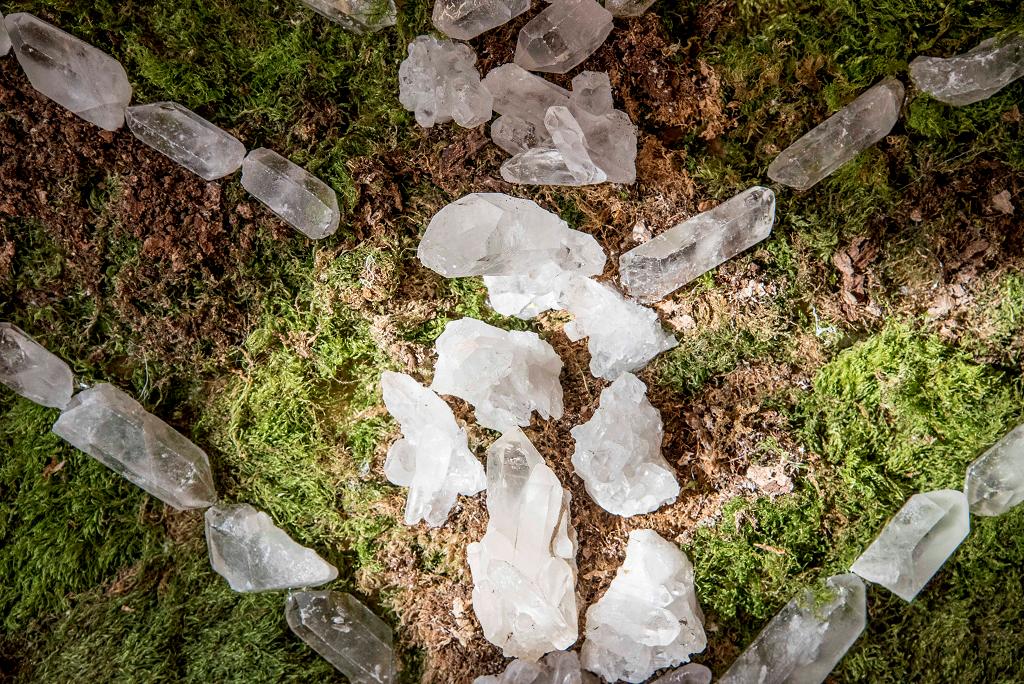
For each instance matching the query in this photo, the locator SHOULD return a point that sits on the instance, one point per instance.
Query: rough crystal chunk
(687, 674)
(345, 632)
(31, 371)
(808, 637)
(840, 138)
(563, 35)
(5, 39)
(253, 554)
(661, 266)
(565, 162)
(610, 135)
(995, 480)
(465, 19)
(916, 542)
(557, 667)
(524, 96)
(524, 568)
(113, 428)
(439, 83)
(433, 458)
(358, 16)
(649, 617)
(628, 8)
(973, 76)
(515, 135)
(304, 201)
(187, 138)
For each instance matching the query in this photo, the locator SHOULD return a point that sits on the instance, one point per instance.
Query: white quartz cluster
(27, 368)
(995, 480)
(973, 76)
(557, 667)
(439, 82)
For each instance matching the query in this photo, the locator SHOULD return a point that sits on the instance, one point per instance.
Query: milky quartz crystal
(566, 161)
(562, 36)
(358, 16)
(465, 19)
(649, 617)
(27, 368)
(69, 71)
(840, 138)
(687, 674)
(113, 428)
(610, 135)
(662, 265)
(345, 633)
(524, 568)
(523, 97)
(253, 554)
(618, 452)
(187, 138)
(628, 8)
(808, 637)
(304, 201)
(916, 542)
(995, 480)
(439, 83)
(433, 458)
(557, 667)
(5, 39)
(973, 76)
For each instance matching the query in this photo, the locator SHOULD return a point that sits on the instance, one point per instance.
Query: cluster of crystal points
(185, 137)
(29, 369)
(465, 19)
(995, 480)
(557, 667)
(304, 201)
(439, 82)
(563, 35)
(973, 76)
(358, 16)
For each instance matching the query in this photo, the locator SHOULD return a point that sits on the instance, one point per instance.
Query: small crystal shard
(995, 480)
(649, 617)
(5, 39)
(304, 201)
(524, 569)
(557, 667)
(840, 138)
(563, 35)
(661, 266)
(358, 16)
(916, 542)
(31, 371)
(439, 83)
(433, 458)
(465, 19)
(113, 428)
(253, 554)
(973, 76)
(187, 138)
(345, 633)
(628, 8)
(524, 96)
(808, 637)
(687, 674)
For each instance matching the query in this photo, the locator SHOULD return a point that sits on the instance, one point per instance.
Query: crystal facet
(5, 39)
(563, 35)
(465, 19)
(628, 8)
(557, 667)
(358, 16)
(565, 162)
(524, 96)
(973, 76)
(995, 480)
(304, 201)
(610, 135)
(31, 371)
(187, 138)
(439, 83)
(687, 674)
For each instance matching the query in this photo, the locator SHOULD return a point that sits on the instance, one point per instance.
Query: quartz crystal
(563, 35)
(840, 138)
(565, 162)
(253, 554)
(660, 266)
(113, 428)
(524, 568)
(515, 135)
(623, 335)
(5, 39)
(627, 8)
(808, 637)
(916, 542)
(687, 674)
(433, 458)
(618, 452)
(610, 135)
(304, 201)
(439, 83)
(187, 138)
(648, 618)
(504, 374)
(557, 667)
(995, 481)
(524, 96)
(358, 16)
(345, 632)
(465, 19)
(31, 371)
(69, 71)
(973, 76)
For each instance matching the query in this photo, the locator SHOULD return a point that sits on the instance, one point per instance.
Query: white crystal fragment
(253, 554)
(515, 135)
(557, 667)
(524, 96)
(5, 39)
(357, 16)
(304, 201)
(916, 542)
(439, 82)
(628, 8)
(187, 138)
(973, 76)
(565, 162)
(995, 480)
(610, 135)
(27, 368)
(687, 674)
(562, 36)
(465, 19)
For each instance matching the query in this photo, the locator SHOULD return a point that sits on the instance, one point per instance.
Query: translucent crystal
(627, 8)
(439, 82)
(5, 39)
(433, 458)
(465, 19)
(31, 371)
(661, 266)
(808, 637)
(557, 667)
(69, 71)
(916, 542)
(591, 93)
(525, 96)
(524, 569)
(358, 16)
(113, 428)
(187, 138)
(973, 76)
(840, 138)
(253, 554)
(648, 618)
(565, 162)
(995, 480)
(515, 135)
(304, 201)
(345, 632)
(563, 35)
(687, 674)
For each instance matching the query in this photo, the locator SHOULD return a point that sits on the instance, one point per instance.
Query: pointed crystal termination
(69, 71)
(557, 667)
(995, 480)
(345, 633)
(628, 8)
(524, 96)
(687, 674)
(565, 162)
(433, 458)
(973, 76)
(505, 374)
(187, 138)
(5, 39)
(649, 617)
(562, 36)
(465, 19)
(28, 369)
(304, 201)
(808, 637)
(916, 542)
(524, 569)
(618, 452)
(357, 16)
(253, 554)
(840, 138)
(439, 82)
(661, 266)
